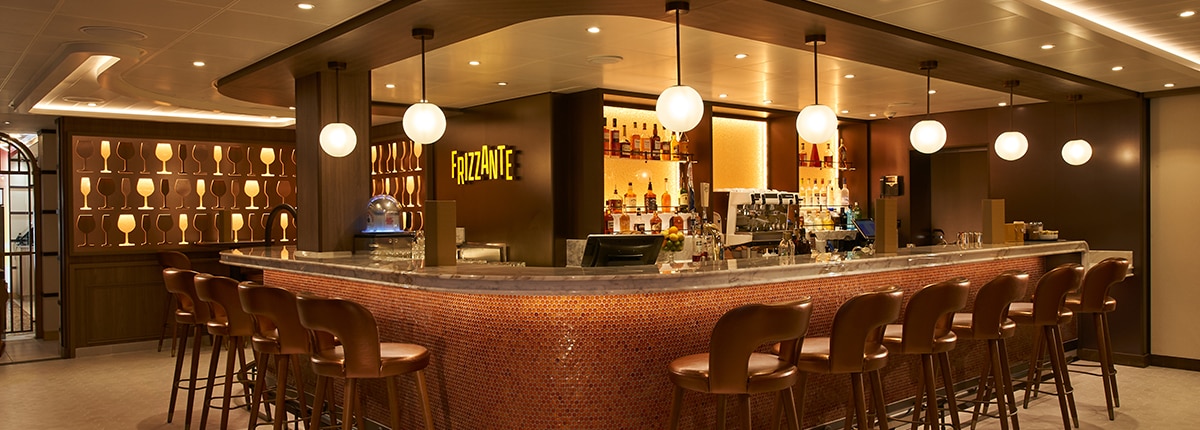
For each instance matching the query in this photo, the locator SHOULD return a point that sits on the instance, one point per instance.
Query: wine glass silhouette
(107, 187)
(374, 156)
(84, 150)
(200, 190)
(283, 223)
(126, 223)
(417, 155)
(218, 190)
(252, 192)
(142, 149)
(145, 227)
(183, 156)
(200, 154)
(236, 155)
(164, 153)
(237, 222)
(282, 171)
(183, 226)
(400, 164)
(410, 184)
(85, 188)
(86, 225)
(145, 187)
(284, 189)
(183, 187)
(217, 157)
(126, 151)
(164, 225)
(164, 189)
(267, 155)
(234, 190)
(106, 227)
(417, 194)
(126, 189)
(203, 224)
(105, 151)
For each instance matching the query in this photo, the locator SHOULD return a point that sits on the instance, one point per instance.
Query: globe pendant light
(337, 138)
(424, 122)
(680, 107)
(1076, 151)
(1011, 145)
(928, 135)
(816, 123)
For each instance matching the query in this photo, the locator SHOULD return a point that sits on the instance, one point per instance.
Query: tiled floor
(130, 391)
(20, 350)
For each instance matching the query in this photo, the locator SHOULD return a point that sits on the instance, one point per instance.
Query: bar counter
(587, 348)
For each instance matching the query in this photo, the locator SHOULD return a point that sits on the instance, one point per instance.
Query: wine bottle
(651, 201)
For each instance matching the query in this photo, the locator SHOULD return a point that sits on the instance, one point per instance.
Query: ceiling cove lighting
(424, 122)
(1082, 10)
(1076, 151)
(337, 138)
(816, 123)
(679, 108)
(928, 135)
(1011, 145)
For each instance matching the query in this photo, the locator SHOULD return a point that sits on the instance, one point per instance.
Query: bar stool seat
(394, 359)
(764, 373)
(1022, 313)
(816, 352)
(963, 326)
(893, 334)
(1074, 303)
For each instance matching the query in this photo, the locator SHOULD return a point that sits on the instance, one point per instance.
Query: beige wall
(1174, 228)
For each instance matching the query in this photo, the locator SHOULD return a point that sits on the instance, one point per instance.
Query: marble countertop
(501, 279)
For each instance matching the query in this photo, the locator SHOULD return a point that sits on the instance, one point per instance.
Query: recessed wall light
(740, 56)
(722, 95)
(872, 115)
(1118, 68)
(845, 111)
(198, 63)
(1187, 13)
(1048, 46)
(292, 107)
(932, 91)
(473, 63)
(593, 30)
(1169, 85)
(305, 6)
(390, 86)
(849, 76)
(503, 84)
(1002, 104)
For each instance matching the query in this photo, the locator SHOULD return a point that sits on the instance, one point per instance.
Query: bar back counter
(588, 348)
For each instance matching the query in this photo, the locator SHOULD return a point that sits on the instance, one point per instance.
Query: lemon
(673, 229)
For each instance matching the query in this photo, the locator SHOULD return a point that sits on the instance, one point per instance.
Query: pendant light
(1076, 151)
(424, 122)
(337, 138)
(816, 123)
(1011, 145)
(928, 135)
(680, 107)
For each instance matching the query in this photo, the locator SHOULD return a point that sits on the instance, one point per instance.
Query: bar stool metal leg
(948, 385)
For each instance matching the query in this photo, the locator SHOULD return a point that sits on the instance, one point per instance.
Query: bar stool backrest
(930, 310)
(221, 294)
(181, 283)
(331, 320)
(1051, 292)
(743, 329)
(858, 328)
(1098, 280)
(992, 301)
(274, 310)
(174, 259)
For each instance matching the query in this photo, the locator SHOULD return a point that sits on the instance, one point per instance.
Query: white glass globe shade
(679, 108)
(928, 136)
(1011, 145)
(338, 139)
(816, 123)
(1076, 152)
(424, 123)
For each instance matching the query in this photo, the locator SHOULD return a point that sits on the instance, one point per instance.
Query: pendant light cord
(816, 84)
(678, 61)
(928, 95)
(1011, 108)
(1075, 113)
(423, 99)
(337, 95)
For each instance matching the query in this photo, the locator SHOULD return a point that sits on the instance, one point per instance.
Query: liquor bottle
(832, 194)
(614, 140)
(650, 199)
(664, 145)
(845, 193)
(677, 221)
(805, 194)
(666, 196)
(639, 225)
(685, 146)
(819, 192)
(614, 203)
(814, 158)
(636, 141)
(828, 156)
(607, 137)
(624, 223)
(647, 144)
(655, 224)
(608, 222)
(843, 158)
(785, 248)
(656, 152)
(626, 146)
(674, 147)
(630, 199)
(684, 200)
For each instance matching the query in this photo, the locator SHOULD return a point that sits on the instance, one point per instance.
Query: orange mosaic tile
(599, 361)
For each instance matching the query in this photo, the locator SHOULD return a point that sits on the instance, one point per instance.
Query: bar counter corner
(587, 348)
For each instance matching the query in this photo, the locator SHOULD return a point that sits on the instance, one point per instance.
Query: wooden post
(887, 235)
(441, 218)
(993, 221)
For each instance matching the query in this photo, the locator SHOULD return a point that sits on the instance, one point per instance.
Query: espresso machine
(755, 217)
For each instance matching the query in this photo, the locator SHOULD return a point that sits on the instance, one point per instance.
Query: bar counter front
(588, 348)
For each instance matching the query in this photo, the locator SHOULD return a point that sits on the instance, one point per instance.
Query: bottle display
(648, 158)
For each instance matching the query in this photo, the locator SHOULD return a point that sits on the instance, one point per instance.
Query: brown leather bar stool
(732, 368)
(192, 313)
(1046, 313)
(925, 332)
(177, 260)
(228, 324)
(1093, 299)
(854, 347)
(344, 343)
(279, 335)
(988, 320)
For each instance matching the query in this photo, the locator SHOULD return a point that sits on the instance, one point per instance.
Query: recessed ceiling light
(766, 101)
(1002, 104)
(390, 86)
(740, 56)
(473, 63)
(1186, 14)
(722, 95)
(503, 84)
(1118, 68)
(593, 30)
(305, 6)
(7, 122)
(872, 115)
(1048, 46)
(932, 91)
(92, 104)
(198, 63)
(845, 111)
(1169, 85)
(849, 76)
(274, 117)
(292, 107)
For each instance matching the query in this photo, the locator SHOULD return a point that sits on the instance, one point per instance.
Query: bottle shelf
(675, 157)
(845, 165)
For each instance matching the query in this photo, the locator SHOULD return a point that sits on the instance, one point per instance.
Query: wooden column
(331, 193)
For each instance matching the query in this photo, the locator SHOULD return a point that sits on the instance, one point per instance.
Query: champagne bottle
(651, 200)
(666, 197)
(630, 199)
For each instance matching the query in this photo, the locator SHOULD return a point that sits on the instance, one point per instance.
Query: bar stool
(193, 314)
(926, 332)
(733, 368)
(854, 347)
(279, 335)
(227, 323)
(344, 343)
(1093, 299)
(989, 321)
(1046, 313)
(177, 260)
